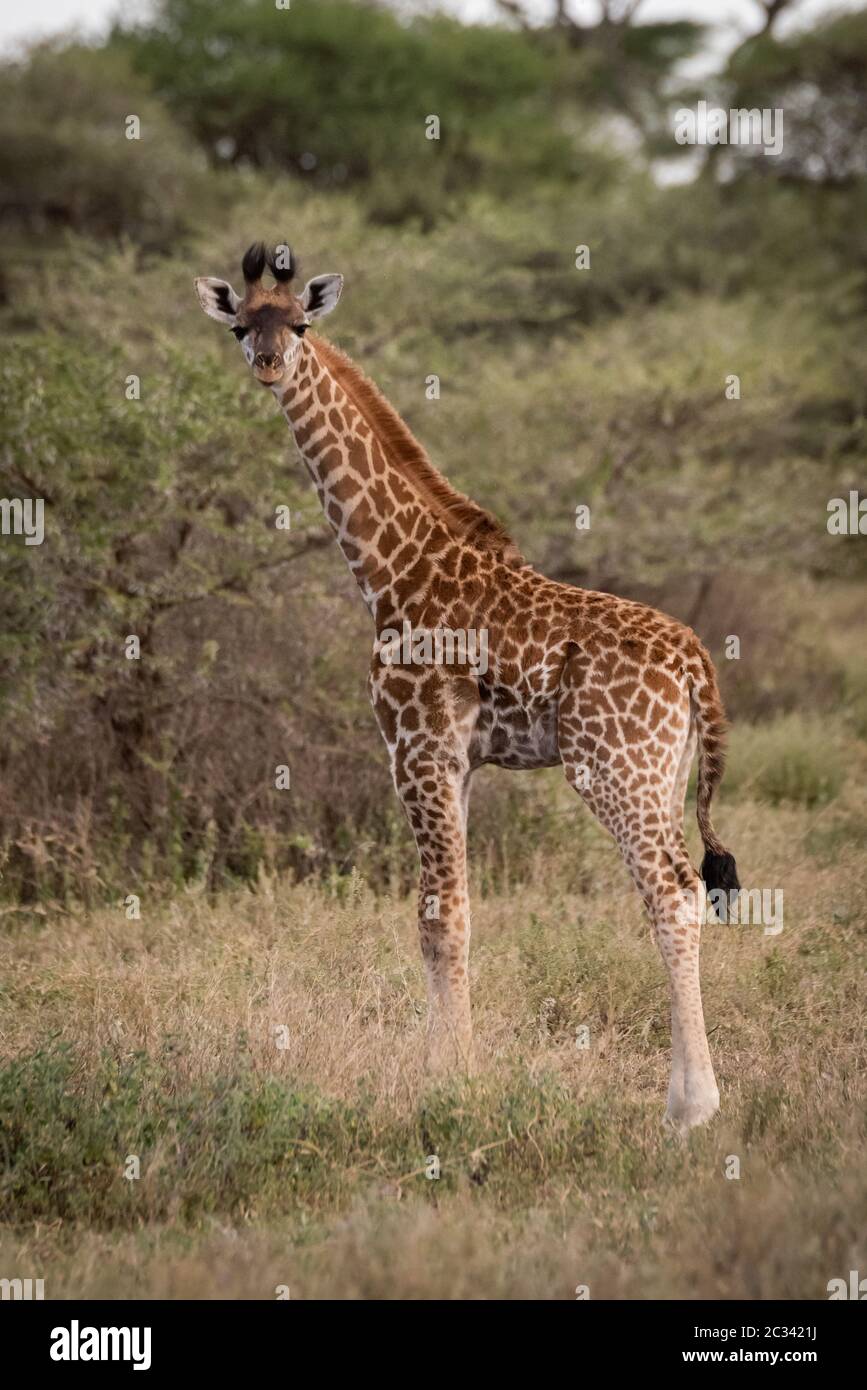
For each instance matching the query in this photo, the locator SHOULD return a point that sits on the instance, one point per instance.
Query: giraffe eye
(240, 332)
(301, 329)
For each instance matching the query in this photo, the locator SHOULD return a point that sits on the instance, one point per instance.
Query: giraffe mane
(463, 517)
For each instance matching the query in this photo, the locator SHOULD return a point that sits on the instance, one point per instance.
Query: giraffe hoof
(446, 1059)
(692, 1113)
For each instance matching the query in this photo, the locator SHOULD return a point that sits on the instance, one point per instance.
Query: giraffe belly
(515, 738)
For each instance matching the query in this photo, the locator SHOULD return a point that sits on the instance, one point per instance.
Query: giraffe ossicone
(618, 693)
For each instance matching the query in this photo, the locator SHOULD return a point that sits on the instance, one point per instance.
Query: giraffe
(617, 693)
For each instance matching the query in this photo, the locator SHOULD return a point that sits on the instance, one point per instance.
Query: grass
(796, 759)
(260, 1054)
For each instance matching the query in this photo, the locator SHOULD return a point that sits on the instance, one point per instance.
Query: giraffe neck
(392, 513)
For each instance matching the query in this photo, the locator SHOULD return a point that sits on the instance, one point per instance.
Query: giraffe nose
(268, 360)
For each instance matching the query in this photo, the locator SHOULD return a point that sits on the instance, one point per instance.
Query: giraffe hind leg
(676, 1090)
(674, 897)
(640, 802)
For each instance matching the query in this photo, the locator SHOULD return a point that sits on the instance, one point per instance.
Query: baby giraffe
(478, 659)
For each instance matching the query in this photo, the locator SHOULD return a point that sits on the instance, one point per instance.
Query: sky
(732, 19)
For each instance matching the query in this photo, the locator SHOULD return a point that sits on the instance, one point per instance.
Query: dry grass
(300, 1165)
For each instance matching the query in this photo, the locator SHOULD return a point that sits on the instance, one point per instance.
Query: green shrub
(797, 759)
(246, 1143)
(66, 161)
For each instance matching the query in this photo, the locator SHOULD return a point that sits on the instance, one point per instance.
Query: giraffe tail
(718, 868)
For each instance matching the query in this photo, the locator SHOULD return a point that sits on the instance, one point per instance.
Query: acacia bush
(338, 92)
(66, 161)
(160, 516)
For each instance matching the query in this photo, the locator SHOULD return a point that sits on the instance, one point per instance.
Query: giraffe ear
(320, 295)
(218, 299)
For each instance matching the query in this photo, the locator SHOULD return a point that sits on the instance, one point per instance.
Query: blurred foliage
(818, 77)
(560, 386)
(798, 759)
(339, 92)
(248, 1138)
(65, 159)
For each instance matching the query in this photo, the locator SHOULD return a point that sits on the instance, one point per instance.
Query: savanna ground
(261, 1054)
(255, 1038)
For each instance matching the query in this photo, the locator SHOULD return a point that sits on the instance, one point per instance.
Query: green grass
(304, 1164)
(798, 759)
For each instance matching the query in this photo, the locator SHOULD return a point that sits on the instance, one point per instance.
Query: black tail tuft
(720, 871)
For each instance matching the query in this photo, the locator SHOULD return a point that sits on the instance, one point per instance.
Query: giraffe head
(269, 320)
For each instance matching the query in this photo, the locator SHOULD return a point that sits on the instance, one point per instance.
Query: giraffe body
(618, 693)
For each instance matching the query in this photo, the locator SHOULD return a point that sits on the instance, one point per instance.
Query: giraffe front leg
(435, 805)
(444, 934)
(427, 741)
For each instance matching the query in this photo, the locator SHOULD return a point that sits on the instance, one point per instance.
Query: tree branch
(772, 9)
